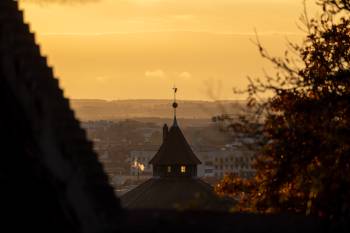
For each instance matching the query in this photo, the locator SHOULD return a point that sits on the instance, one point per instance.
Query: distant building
(234, 161)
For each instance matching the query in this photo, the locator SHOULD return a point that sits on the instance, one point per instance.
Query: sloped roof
(61, 178)
(175, 150)
(174, 193)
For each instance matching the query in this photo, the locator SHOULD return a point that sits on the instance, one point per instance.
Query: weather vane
(175, 103)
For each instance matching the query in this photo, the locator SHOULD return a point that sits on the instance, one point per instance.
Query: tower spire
(175, 105)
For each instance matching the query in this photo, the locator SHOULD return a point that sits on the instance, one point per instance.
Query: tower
(174, 183)
(175, 157)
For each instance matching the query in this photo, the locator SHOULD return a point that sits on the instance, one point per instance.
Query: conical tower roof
(175, 149)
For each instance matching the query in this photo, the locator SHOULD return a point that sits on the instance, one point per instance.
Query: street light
(139, 166)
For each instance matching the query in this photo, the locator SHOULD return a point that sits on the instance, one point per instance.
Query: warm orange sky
(137, 49)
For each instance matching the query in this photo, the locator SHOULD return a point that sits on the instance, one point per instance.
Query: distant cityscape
(125, 147)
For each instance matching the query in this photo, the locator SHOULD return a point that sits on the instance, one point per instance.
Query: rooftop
(174, 193)
(175, 150)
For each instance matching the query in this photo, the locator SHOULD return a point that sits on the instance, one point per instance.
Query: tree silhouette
(304, 163)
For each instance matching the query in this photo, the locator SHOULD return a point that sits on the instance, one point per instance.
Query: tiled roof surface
(174, 193)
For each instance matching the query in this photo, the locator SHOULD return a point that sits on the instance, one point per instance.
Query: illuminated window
(183, 169)
(169, 169)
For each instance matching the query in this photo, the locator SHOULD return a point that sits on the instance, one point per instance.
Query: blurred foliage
(303, 165)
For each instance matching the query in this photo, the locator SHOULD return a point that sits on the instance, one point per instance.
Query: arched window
(183, 169)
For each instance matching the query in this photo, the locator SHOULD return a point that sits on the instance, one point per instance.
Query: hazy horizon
(160, 99)
(97, 109)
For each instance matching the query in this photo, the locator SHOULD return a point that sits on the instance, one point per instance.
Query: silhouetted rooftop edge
(56, 182)
(175, 149)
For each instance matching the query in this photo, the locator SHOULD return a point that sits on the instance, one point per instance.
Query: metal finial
(175, 105)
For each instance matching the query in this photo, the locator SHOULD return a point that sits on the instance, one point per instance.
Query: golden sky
(138, 49)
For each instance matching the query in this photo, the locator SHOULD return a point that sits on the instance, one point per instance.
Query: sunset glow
(138, 49)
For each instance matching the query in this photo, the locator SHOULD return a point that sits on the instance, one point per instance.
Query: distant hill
(87, 109)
